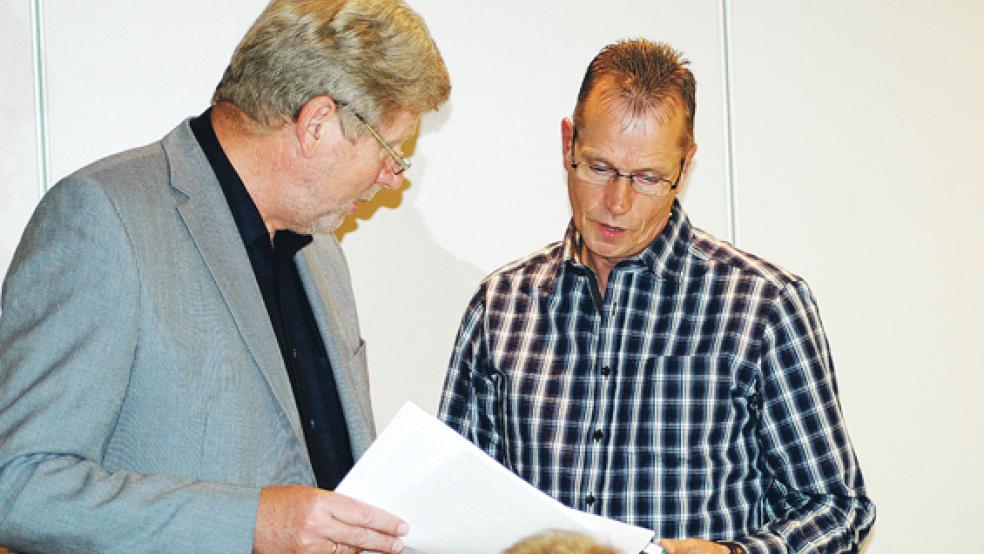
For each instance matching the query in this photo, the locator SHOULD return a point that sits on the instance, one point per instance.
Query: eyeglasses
(601, 174)
(396, 163)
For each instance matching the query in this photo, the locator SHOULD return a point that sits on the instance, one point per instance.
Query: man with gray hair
(191, 377)
(643, 370)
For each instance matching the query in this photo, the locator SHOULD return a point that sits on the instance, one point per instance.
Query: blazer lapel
(212, 228)
(348, 367)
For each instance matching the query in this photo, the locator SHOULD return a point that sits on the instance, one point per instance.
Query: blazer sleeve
(68, 334)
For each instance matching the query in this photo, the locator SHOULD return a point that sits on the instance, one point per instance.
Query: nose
(618, 197)
(389, 179)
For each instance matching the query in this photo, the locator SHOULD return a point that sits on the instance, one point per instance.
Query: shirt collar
(664, 257)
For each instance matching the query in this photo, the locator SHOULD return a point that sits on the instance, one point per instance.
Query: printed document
(457, 499)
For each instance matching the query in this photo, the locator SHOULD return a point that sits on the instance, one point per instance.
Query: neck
(602, 268)
(259, 158)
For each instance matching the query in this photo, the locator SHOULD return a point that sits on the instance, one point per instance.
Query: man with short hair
(642, 369)
(191, 377)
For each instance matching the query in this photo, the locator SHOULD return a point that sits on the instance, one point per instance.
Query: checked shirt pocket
(694, 409)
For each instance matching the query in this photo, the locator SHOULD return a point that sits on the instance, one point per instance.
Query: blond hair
(559, 542)
(374, 56)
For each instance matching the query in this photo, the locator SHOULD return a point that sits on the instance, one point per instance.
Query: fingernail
(402, 529)
(398, 545)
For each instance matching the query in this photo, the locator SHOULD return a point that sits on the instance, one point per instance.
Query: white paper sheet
(457, 499)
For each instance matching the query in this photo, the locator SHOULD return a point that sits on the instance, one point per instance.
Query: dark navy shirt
(290, 315)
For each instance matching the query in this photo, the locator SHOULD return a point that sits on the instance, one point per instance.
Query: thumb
(669, 545)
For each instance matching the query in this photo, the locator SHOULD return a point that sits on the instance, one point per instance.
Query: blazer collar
(205, 212)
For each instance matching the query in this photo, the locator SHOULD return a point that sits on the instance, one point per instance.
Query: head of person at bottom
(317, 100)
(628, 149)
(559, 542)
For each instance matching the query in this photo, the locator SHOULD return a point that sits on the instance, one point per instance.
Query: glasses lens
(646, 185)
(592, 174)
(600, 175)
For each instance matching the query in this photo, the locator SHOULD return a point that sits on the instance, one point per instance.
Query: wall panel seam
(731, 188)
(40, 95)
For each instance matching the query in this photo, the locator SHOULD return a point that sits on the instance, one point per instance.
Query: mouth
(611, 232)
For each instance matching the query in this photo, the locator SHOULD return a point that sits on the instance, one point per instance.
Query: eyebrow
(653, 170)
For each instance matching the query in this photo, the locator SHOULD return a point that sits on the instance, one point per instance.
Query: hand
(303, 519)
(692, 546)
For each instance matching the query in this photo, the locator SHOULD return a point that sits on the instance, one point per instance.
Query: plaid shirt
(696, 398)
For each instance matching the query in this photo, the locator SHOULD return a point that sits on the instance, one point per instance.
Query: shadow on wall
(385, 198)
(411, 291)
(364, 211)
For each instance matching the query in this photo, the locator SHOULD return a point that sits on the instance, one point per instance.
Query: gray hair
(374, 56)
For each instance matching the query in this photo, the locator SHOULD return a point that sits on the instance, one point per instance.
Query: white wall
(858, 142)
(19, 186)
(855, 127)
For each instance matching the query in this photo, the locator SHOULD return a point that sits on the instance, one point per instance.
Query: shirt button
(293, 353)
(606, 371)
(590, 499)
(598, 434)
(312, 424)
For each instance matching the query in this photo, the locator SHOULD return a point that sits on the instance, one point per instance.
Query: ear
(688, 159)
(312, 126)
(566, 139)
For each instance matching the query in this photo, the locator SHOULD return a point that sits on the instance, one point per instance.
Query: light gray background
(855, 130)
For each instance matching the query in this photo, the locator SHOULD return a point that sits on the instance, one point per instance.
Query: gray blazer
(143, 398)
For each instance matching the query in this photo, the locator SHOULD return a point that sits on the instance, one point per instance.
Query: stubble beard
(327, 223)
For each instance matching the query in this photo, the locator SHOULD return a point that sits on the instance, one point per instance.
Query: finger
(345, 549)
(359, 514)
(669, 545)
(360, 538)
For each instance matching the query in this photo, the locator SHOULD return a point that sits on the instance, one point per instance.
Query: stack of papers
(457, 499)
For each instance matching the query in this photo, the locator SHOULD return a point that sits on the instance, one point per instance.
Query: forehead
(651, 137)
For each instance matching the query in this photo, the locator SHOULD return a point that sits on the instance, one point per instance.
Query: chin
(326, 224)
(626, 247)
